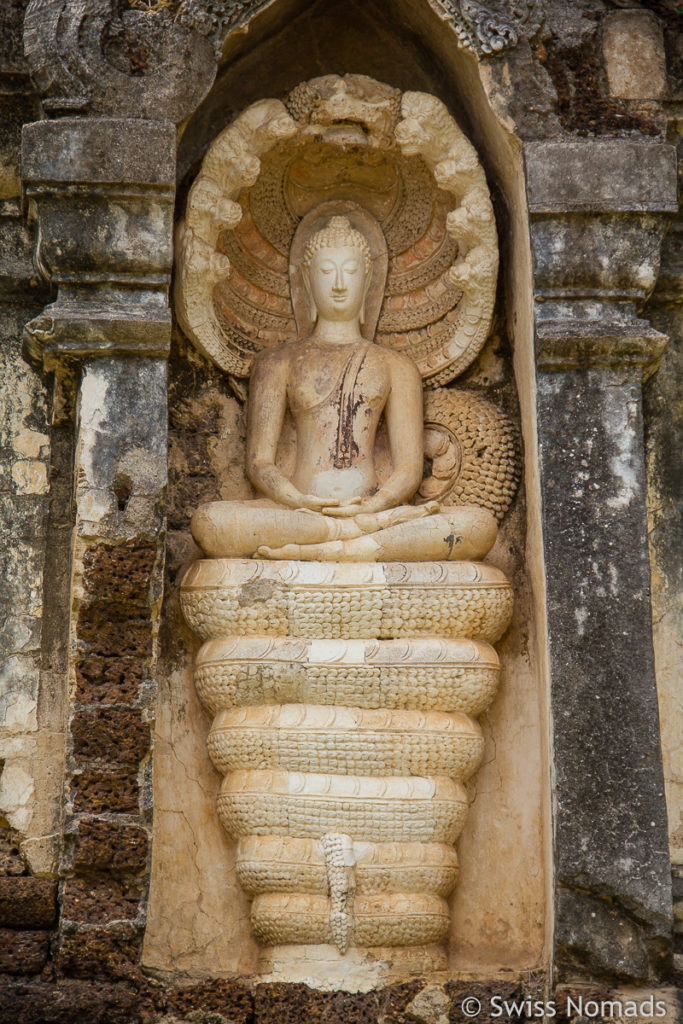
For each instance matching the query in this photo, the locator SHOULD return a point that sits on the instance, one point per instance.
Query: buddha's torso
(336, 394)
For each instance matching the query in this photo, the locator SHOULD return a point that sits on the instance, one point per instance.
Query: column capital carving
(488, 29)
(101, 191)
(89, 58)
(598, 212)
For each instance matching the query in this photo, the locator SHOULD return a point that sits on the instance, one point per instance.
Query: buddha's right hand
(285, 493)
(272, 483)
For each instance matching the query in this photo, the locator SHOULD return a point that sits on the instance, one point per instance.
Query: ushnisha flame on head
(337, 232)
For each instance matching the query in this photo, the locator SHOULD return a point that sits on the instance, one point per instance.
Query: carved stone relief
(470, 447)
(495, 26)
(340, 250)
(404, 159)
(344, 758)
(486, 28)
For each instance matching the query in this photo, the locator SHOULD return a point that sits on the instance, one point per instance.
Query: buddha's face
(338, 282)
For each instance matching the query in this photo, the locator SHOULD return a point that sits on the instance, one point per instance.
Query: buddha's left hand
(346, 511)
(359, 506)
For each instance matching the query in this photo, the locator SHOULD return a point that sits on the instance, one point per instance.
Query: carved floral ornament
(495, 26)
(131, 59)
(486, 28)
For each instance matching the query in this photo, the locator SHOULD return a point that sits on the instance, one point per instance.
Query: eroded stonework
(130, 63)
(131, 60)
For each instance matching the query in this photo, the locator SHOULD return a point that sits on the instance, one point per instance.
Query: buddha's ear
(312, 308)
(366, 289)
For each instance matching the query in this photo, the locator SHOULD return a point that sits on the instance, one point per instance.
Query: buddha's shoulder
(278, 356)
(399, 361)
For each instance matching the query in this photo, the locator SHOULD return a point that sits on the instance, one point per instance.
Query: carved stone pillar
(102, 192)
(663, 442)
(29, 723)
(596, 226)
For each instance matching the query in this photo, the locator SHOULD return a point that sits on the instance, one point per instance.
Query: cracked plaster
(27, 803)
(198, 914)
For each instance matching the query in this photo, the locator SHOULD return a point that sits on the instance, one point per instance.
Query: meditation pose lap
(337, 386)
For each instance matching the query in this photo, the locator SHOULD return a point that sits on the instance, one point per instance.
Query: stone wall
(30, 736)
(87, 525)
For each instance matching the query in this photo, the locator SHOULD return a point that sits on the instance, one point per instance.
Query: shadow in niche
(292, 41)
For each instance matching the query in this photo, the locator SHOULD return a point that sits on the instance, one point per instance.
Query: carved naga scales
(344, 674)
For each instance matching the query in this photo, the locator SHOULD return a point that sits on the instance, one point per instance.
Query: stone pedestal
(343, 698)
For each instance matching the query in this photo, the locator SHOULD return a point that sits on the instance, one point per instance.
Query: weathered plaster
(198, 920)
(633, 48)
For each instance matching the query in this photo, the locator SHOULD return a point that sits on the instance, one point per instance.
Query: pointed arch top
(91, 57)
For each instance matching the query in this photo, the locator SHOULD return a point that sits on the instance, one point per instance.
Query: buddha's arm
(266, 413)
(404, 419)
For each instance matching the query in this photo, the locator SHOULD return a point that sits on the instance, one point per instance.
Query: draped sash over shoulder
(343, 396)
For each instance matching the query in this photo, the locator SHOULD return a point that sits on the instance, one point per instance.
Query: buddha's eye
(350, 267)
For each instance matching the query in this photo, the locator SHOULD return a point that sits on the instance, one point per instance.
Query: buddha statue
(337, 386)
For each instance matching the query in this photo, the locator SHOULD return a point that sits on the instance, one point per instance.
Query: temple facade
(339, 518)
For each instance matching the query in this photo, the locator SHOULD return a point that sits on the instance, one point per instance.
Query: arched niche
(198, 923)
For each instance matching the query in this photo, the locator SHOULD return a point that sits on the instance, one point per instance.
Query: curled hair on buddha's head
(337, 232)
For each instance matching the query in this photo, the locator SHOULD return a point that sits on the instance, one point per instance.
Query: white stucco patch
(31, 443)
(16, 796)
(20, 714)
(30, 476)
(623, 463)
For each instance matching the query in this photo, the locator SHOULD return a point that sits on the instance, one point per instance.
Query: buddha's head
(336, 269)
